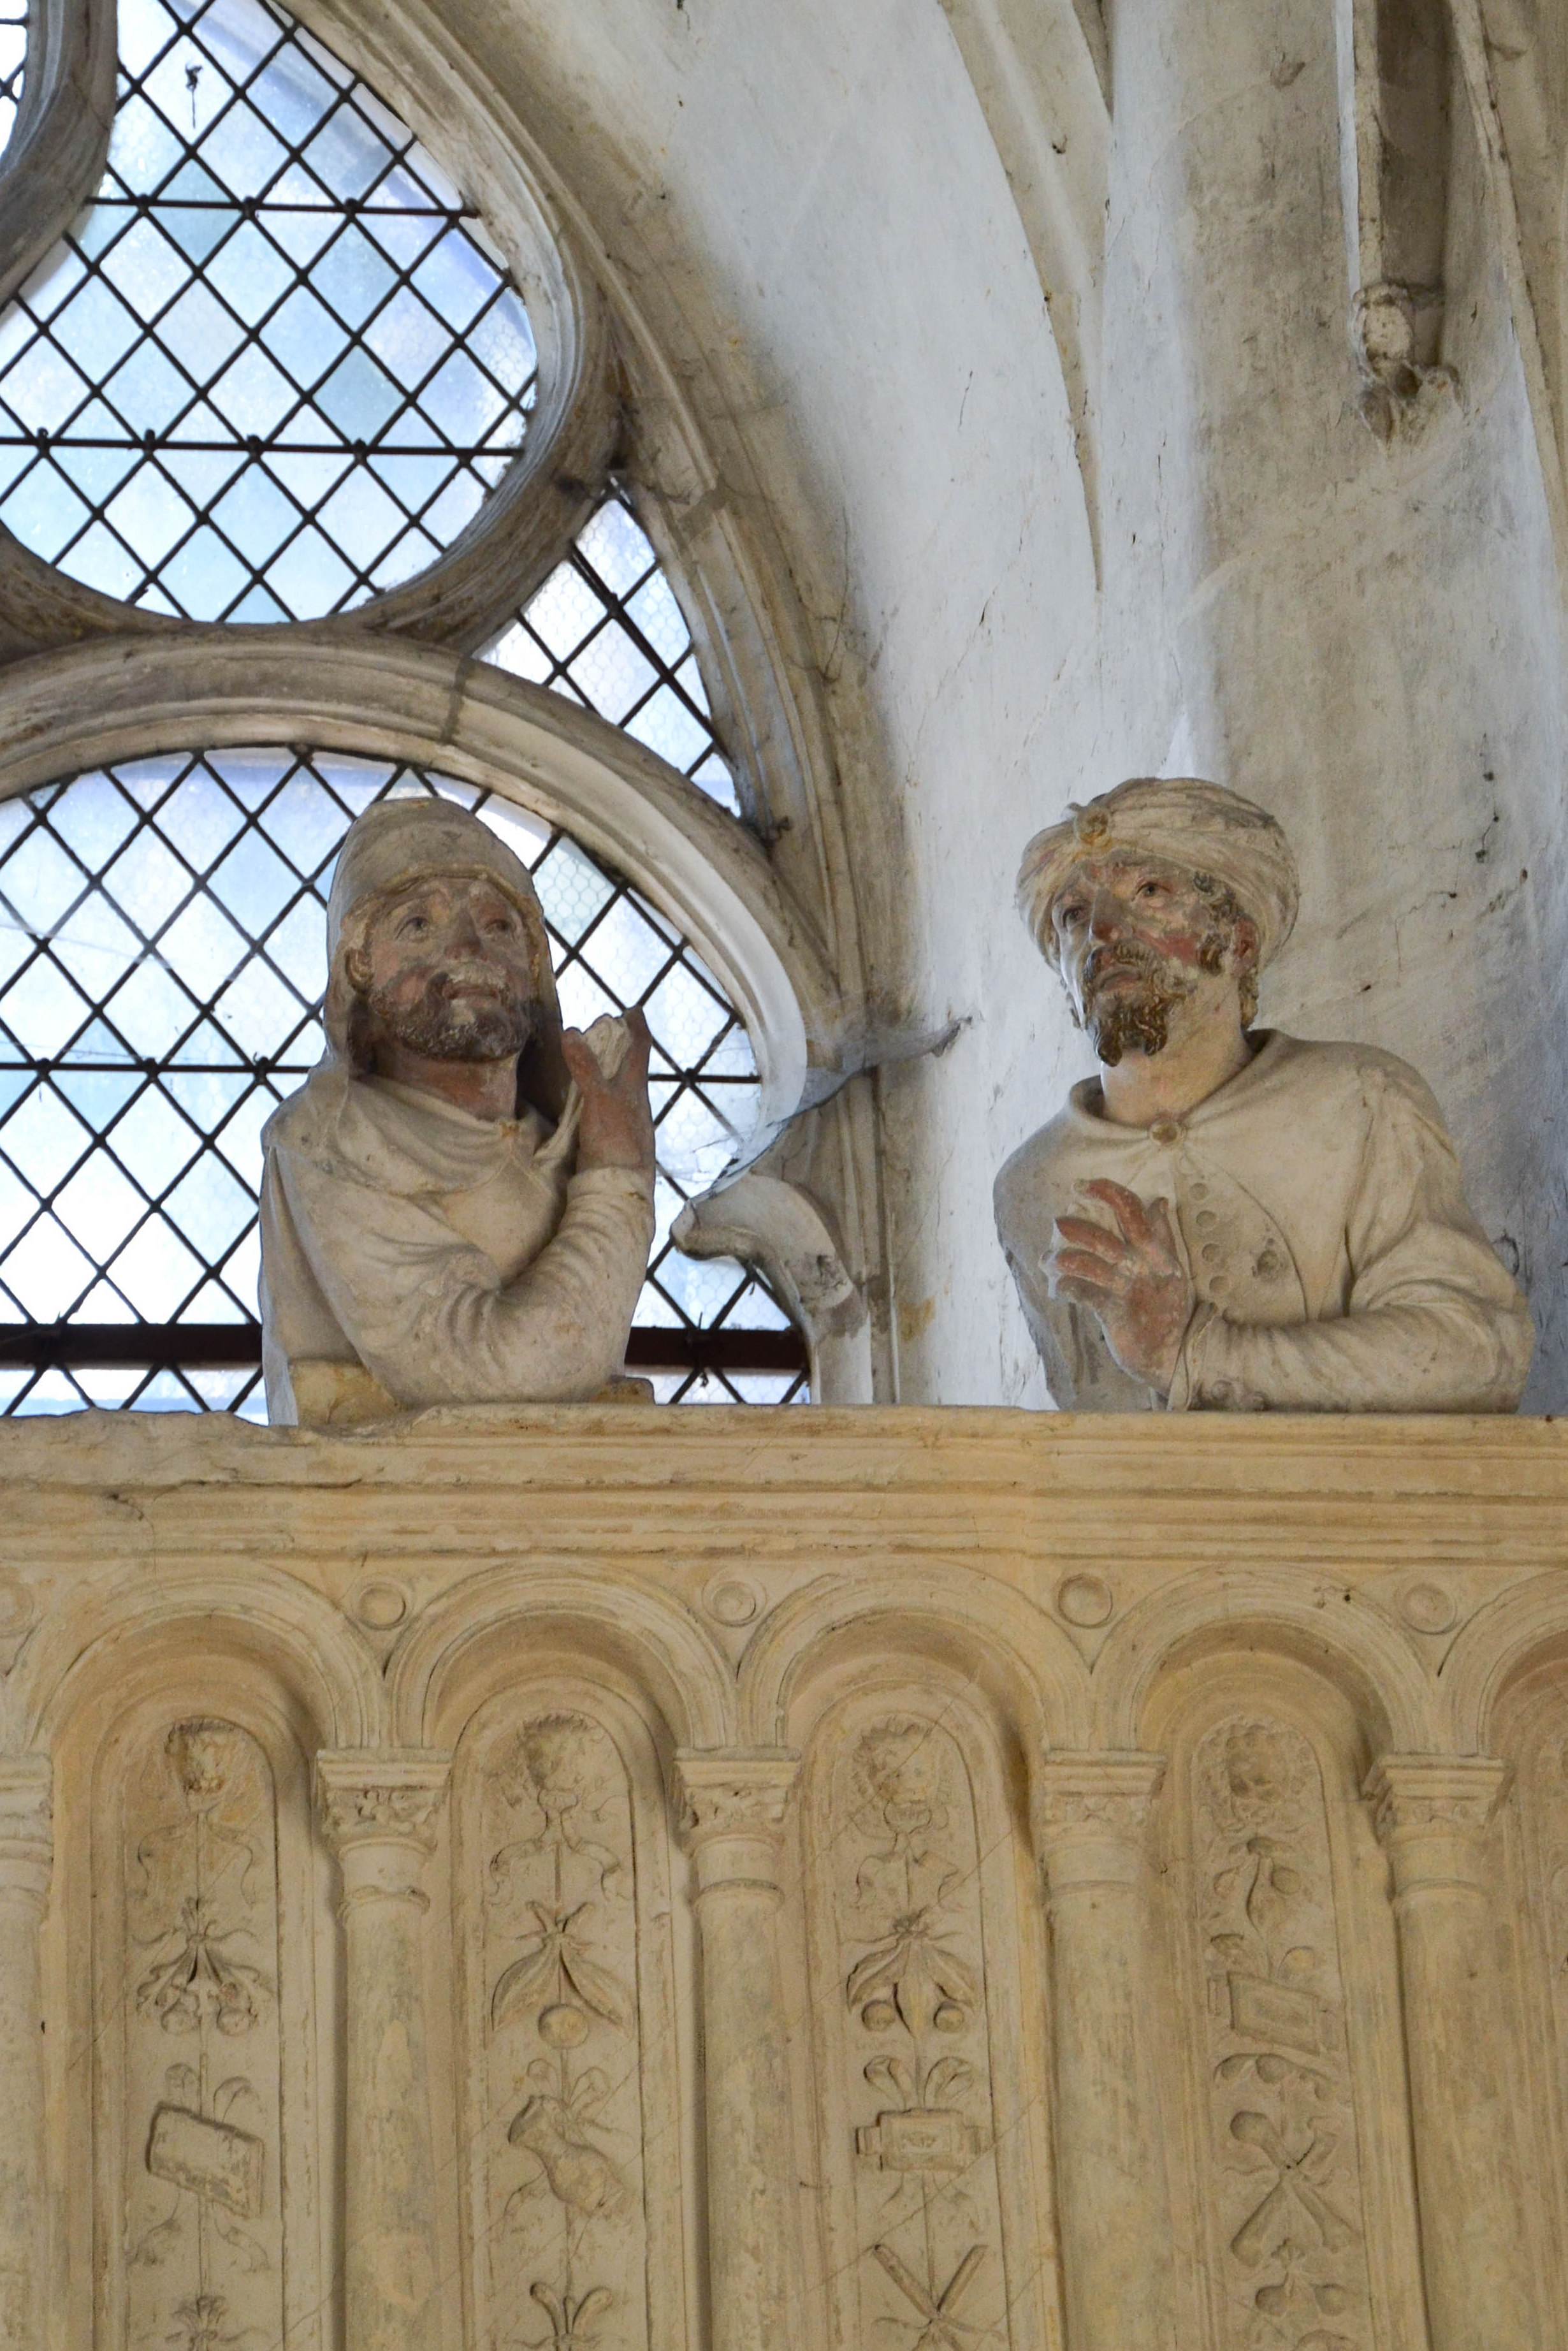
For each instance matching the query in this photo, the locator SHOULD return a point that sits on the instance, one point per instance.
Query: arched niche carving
(925, 2062)
(573, 1996)
(190, 1949)
(1290, 2173)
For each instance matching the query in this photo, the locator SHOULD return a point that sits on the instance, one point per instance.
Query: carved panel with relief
(191, 2006)
(926, 2170)
(1282, 2176)
(574, 2182)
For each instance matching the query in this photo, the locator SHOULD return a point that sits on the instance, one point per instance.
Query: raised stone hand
(1133, 1279)
(616, 1129)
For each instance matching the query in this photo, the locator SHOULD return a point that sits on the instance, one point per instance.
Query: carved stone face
(1137, 936)
(445, 970)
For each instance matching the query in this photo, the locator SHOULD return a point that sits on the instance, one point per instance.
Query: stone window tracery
(275, 371)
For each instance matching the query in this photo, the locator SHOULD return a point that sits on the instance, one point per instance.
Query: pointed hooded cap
(401, 842)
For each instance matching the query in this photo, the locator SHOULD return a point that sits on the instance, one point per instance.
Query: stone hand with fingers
(1132, 1278)
(616, 1128)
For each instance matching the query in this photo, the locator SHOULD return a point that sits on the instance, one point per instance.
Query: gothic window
(276, 365)
(276, 369)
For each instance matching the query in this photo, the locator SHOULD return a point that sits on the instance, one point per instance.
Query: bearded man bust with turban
(1229, 1218)
(458, 1204)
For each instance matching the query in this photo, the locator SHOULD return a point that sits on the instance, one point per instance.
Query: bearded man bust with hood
(458, 1204)
(1229, 1218)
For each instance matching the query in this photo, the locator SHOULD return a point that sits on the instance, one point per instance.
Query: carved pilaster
(731, 1812)
(1091, 1816)
(379, 1813)
(27, 1852)
(1433, 1814)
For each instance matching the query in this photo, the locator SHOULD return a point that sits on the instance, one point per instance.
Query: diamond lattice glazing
(605, 631)
(162, 956)
(276, 366)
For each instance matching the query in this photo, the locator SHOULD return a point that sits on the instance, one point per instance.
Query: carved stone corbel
(732, 1813)
(1433, 1814)
(379, 1810)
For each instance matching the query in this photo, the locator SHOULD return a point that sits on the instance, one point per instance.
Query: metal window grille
(605, 631)
(13, 60)
(161, 959)
(276, 366)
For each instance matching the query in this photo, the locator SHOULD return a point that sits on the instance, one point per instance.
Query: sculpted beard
(1139, 1017)
(445, 1025)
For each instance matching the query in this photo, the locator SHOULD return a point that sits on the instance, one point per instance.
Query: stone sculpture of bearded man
(1229, 1218)
(457, 1205)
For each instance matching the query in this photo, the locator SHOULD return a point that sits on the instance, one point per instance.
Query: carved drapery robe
(1322, 1216)
(453, 1260)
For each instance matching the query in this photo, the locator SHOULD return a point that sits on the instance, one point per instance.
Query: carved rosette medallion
(199, 2019)
(911, 1980)
(565, 2222)
(1284, 2184)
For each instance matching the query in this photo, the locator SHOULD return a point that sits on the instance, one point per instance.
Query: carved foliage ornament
(911, 1951)
(1284, 2184)
(565, 2219)
(201, 2057)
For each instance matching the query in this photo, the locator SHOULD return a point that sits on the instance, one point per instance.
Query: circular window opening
(277, 366)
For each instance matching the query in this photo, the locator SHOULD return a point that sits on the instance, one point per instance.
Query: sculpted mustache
(1123, 958)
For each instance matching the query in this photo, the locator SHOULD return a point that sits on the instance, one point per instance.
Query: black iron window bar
(201, 224)
(715, 1351)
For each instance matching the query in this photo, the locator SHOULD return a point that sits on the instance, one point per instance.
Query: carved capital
(379, 1808)
(1090, 1814)
(27, 1826)
(731, 1809)
(1462, 1792)
(1432, 1812)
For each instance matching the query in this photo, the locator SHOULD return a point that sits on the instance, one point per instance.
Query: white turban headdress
(398, 842)
(1201, 827)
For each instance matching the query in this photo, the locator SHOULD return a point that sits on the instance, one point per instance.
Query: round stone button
(1166, 1130)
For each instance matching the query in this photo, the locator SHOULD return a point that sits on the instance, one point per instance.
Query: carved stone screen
(277, 365)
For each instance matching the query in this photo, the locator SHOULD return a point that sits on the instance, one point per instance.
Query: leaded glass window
(276, 366)
(162, 956)
(605, 631)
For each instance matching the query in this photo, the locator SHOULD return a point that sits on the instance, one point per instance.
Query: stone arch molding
(63, 713)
